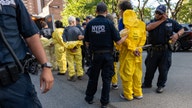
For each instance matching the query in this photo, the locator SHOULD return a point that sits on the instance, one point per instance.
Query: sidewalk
(177, 94)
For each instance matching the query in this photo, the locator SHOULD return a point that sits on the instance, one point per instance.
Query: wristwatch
(47, 64)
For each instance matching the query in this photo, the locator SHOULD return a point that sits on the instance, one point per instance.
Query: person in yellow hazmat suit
(49, 47)
(114, 80)
(60, 50)
(46, 40)
(131, 53)
(73, 38)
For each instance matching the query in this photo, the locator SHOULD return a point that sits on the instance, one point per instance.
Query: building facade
(55, 8)
(45, 7)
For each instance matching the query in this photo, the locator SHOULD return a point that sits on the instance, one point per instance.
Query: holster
(9, 73)
(116, 55)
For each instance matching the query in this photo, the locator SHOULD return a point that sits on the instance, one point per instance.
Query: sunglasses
(159, 13)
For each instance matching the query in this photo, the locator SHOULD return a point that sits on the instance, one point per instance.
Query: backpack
(47, 32)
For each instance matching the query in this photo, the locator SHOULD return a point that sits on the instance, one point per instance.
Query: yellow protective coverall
(60, 50)
(49, 49)
(114, 80)
(74, 56)
(131, 65)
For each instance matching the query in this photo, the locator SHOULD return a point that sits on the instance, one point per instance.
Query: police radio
(9, 72)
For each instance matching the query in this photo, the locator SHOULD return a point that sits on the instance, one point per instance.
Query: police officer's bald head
(101, 8)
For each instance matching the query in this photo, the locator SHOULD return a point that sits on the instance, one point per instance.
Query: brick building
(45, 7)
(55, 8)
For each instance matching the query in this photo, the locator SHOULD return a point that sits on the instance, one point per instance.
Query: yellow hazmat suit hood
(130, 19)
(137, 34)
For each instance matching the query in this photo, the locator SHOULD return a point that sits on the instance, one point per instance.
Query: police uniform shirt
(71, 33)
(162, 33)
(15, 21)
(101, 33)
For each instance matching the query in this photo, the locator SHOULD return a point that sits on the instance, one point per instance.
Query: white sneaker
(123, 97)
(138, 97)
(114, 86)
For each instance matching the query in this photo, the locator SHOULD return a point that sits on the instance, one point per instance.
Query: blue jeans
(20, 94)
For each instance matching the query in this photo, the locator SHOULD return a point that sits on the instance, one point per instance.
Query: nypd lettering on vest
(98, 29)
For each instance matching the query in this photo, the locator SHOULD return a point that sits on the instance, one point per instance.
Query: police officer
(17, 26)
(159, 55)
(73, 38)
(99, 36)
(88, 18)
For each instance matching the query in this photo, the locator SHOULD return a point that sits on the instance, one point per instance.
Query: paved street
(177, 94)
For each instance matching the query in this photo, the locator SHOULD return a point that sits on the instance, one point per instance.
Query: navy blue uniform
(159, 55)
(16, 22)
(71, 33)
(100, 33)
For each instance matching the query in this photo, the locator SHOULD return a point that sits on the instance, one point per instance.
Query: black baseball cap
(161, 9)
(88, 17)
(78, 19)
(84, 23)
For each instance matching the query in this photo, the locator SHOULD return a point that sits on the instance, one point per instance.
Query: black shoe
(80, 77)
(87, 64)
(89, 102)
(72, 78)
(103, 106)
(160, 89)
(146, 86)
(60, 73)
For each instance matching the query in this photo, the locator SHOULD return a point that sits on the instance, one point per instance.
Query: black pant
(101, 62)
(157, 59)
(85, 56)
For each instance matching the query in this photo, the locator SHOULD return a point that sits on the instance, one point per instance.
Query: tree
(82, 8)
(141, 10)
(174, 9)
(179, 10)
(185, 13)
(77, 8)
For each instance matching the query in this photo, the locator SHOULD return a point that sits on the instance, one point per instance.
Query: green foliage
(185, 14)
(78, 8)
(147, 14)
(82, 8)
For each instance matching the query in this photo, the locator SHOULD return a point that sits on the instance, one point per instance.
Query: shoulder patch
(7, 2)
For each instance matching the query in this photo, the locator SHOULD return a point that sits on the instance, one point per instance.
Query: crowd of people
(65, 47)
(96, 43)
